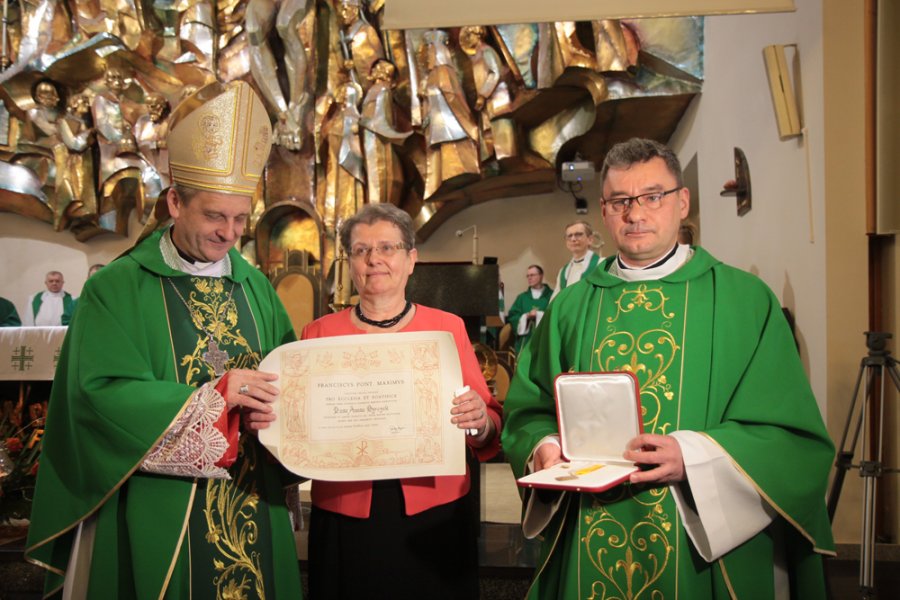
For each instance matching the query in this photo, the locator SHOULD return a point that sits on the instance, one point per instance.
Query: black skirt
(391, 555)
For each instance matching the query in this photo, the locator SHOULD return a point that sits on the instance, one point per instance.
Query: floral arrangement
(20, 448)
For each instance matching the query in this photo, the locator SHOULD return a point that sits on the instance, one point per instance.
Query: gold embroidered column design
(627, 533)
(230, 512)
(228, 517)
(213, 310)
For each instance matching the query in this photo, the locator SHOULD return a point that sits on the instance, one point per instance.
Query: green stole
(563, 281)
(229, 528)
(630, 542)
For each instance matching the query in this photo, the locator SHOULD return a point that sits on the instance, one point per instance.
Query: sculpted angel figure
(451, 134)
(150, 131)
(343, 191)
(76, 193)
(384, 174)
(109, 110)
(291, 109)
(493, 101)
(45, 113)
(364, 45)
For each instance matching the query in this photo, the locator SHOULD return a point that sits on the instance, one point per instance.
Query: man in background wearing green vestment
(729, 501)
(9, 317)
(528, 309)
(151, 481)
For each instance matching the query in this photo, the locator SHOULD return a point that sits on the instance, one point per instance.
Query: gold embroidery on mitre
(209, 144)
(219, 139)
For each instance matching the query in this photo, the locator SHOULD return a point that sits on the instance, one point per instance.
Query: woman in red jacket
(399, 538)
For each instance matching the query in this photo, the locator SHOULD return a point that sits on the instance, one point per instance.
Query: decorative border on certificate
(365, 407)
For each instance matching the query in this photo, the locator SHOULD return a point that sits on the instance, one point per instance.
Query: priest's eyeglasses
(650, 201)
(384, 249)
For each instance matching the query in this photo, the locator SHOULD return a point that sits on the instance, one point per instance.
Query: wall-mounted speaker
(784, 100)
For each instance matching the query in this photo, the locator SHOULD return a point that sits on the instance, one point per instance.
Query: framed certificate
(598, 413)
(367, 407)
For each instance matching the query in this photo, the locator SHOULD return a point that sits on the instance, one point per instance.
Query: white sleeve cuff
(727, 510)
(523, 326)
(192, 445)
(539, 510)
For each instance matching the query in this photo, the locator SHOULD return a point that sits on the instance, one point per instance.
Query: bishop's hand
(252, 393)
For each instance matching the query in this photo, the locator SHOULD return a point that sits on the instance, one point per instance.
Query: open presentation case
(598, 413)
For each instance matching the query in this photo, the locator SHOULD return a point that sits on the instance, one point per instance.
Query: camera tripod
(877, 366)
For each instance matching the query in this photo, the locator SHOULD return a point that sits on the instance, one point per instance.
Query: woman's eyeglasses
(384, 249)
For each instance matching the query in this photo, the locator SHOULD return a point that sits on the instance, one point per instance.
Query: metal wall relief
(430, 120)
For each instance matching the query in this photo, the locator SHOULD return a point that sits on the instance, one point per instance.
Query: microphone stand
(474, 229)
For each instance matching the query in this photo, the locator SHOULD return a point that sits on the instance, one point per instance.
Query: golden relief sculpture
(384, 173)
(428, 120)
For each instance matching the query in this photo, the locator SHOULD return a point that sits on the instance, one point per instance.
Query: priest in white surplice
(51, 308)
(580, 241)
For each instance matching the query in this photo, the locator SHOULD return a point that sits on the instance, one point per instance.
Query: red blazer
(354, 498)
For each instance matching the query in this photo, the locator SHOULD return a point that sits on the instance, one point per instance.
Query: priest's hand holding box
(598, 414)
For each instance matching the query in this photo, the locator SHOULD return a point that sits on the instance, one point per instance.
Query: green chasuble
(713, 354)
(522, 306)
(9, 317)
(128, 366)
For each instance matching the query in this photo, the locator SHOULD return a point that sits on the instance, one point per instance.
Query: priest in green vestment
(9, 316)
(152, 483)
(528, 309)
(729, 501)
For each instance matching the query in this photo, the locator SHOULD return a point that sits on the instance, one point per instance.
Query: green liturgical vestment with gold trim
(713, 354)
(128, 367)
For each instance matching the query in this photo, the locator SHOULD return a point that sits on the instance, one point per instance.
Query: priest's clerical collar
(178, 260)
(580, 260)
(670, 263)
(658, 263)
(184, 255)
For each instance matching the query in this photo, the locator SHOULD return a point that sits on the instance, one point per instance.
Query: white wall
(773, 240)
(519, 232)
(735, 109)
(30, 248)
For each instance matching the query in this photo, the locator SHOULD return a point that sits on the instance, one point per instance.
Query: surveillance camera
(582, 170)
(459, 233)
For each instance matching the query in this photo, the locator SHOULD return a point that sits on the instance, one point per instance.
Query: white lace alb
(192, 445)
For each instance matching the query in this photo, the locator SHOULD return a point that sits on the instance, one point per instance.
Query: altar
(30, 353)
